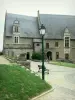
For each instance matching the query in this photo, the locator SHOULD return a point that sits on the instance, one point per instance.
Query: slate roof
(28, 25)
(56, 24)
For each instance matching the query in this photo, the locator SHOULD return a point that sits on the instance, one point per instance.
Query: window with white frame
(16, 39)
(67, 42)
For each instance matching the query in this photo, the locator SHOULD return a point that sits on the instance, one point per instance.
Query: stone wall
(17, 52)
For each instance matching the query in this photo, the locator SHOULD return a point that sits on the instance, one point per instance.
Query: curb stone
(38, 60)
(42, 94)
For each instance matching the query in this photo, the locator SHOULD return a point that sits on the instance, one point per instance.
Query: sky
(30, 7)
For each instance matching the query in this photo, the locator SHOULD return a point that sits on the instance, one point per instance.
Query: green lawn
(16, 83)
(64, 64)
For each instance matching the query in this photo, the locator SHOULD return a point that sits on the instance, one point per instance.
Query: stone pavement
(3, 60)
(62, 80)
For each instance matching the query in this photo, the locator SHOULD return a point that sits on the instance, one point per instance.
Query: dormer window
(67, 42)
(16, 22)
(66, 38)
(16, 28)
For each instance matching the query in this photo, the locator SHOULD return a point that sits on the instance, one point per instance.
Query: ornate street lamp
(42, 33)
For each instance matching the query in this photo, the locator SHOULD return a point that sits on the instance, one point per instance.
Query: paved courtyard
(62, 80)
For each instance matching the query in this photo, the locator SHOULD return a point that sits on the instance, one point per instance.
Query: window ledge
(66, 47)
(16, 33)
(56, 47)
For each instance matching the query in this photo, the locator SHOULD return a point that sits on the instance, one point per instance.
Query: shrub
(1, 53)
(36, 56)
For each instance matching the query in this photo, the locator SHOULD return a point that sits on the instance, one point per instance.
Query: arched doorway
(49, 55)
(28, 55)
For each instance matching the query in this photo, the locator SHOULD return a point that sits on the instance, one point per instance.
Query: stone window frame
(57, 55)
(16, 26)
(16, 29)
(66, 41)
(67, 56)
(56, 44)
(47, 45)
(16, 39)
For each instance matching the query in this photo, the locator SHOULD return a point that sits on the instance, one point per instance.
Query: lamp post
(42, 32)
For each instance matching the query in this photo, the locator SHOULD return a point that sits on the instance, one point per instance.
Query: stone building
(21, 35)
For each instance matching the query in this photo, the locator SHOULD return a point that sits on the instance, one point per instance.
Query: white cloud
(46, 6)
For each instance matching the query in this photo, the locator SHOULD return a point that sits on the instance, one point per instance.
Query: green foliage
(64, 64)
(17, 83)
(37, 56)
(1, 53)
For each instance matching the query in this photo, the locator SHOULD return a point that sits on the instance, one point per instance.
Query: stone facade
(16, 49)
(24, 46)
(17, 42)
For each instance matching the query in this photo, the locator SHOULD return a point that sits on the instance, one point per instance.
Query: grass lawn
(64, 64)
(17, 83)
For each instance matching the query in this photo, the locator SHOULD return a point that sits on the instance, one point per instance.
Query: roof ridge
(21, 15)
(58, 15)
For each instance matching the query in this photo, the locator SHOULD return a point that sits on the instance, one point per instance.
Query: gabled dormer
(66, 32)
(66, 38)
(16, 31)
(16, 27)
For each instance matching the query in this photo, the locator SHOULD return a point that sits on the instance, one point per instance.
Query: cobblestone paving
(62, 80)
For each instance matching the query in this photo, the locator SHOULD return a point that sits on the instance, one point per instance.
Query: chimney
(39, 23)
